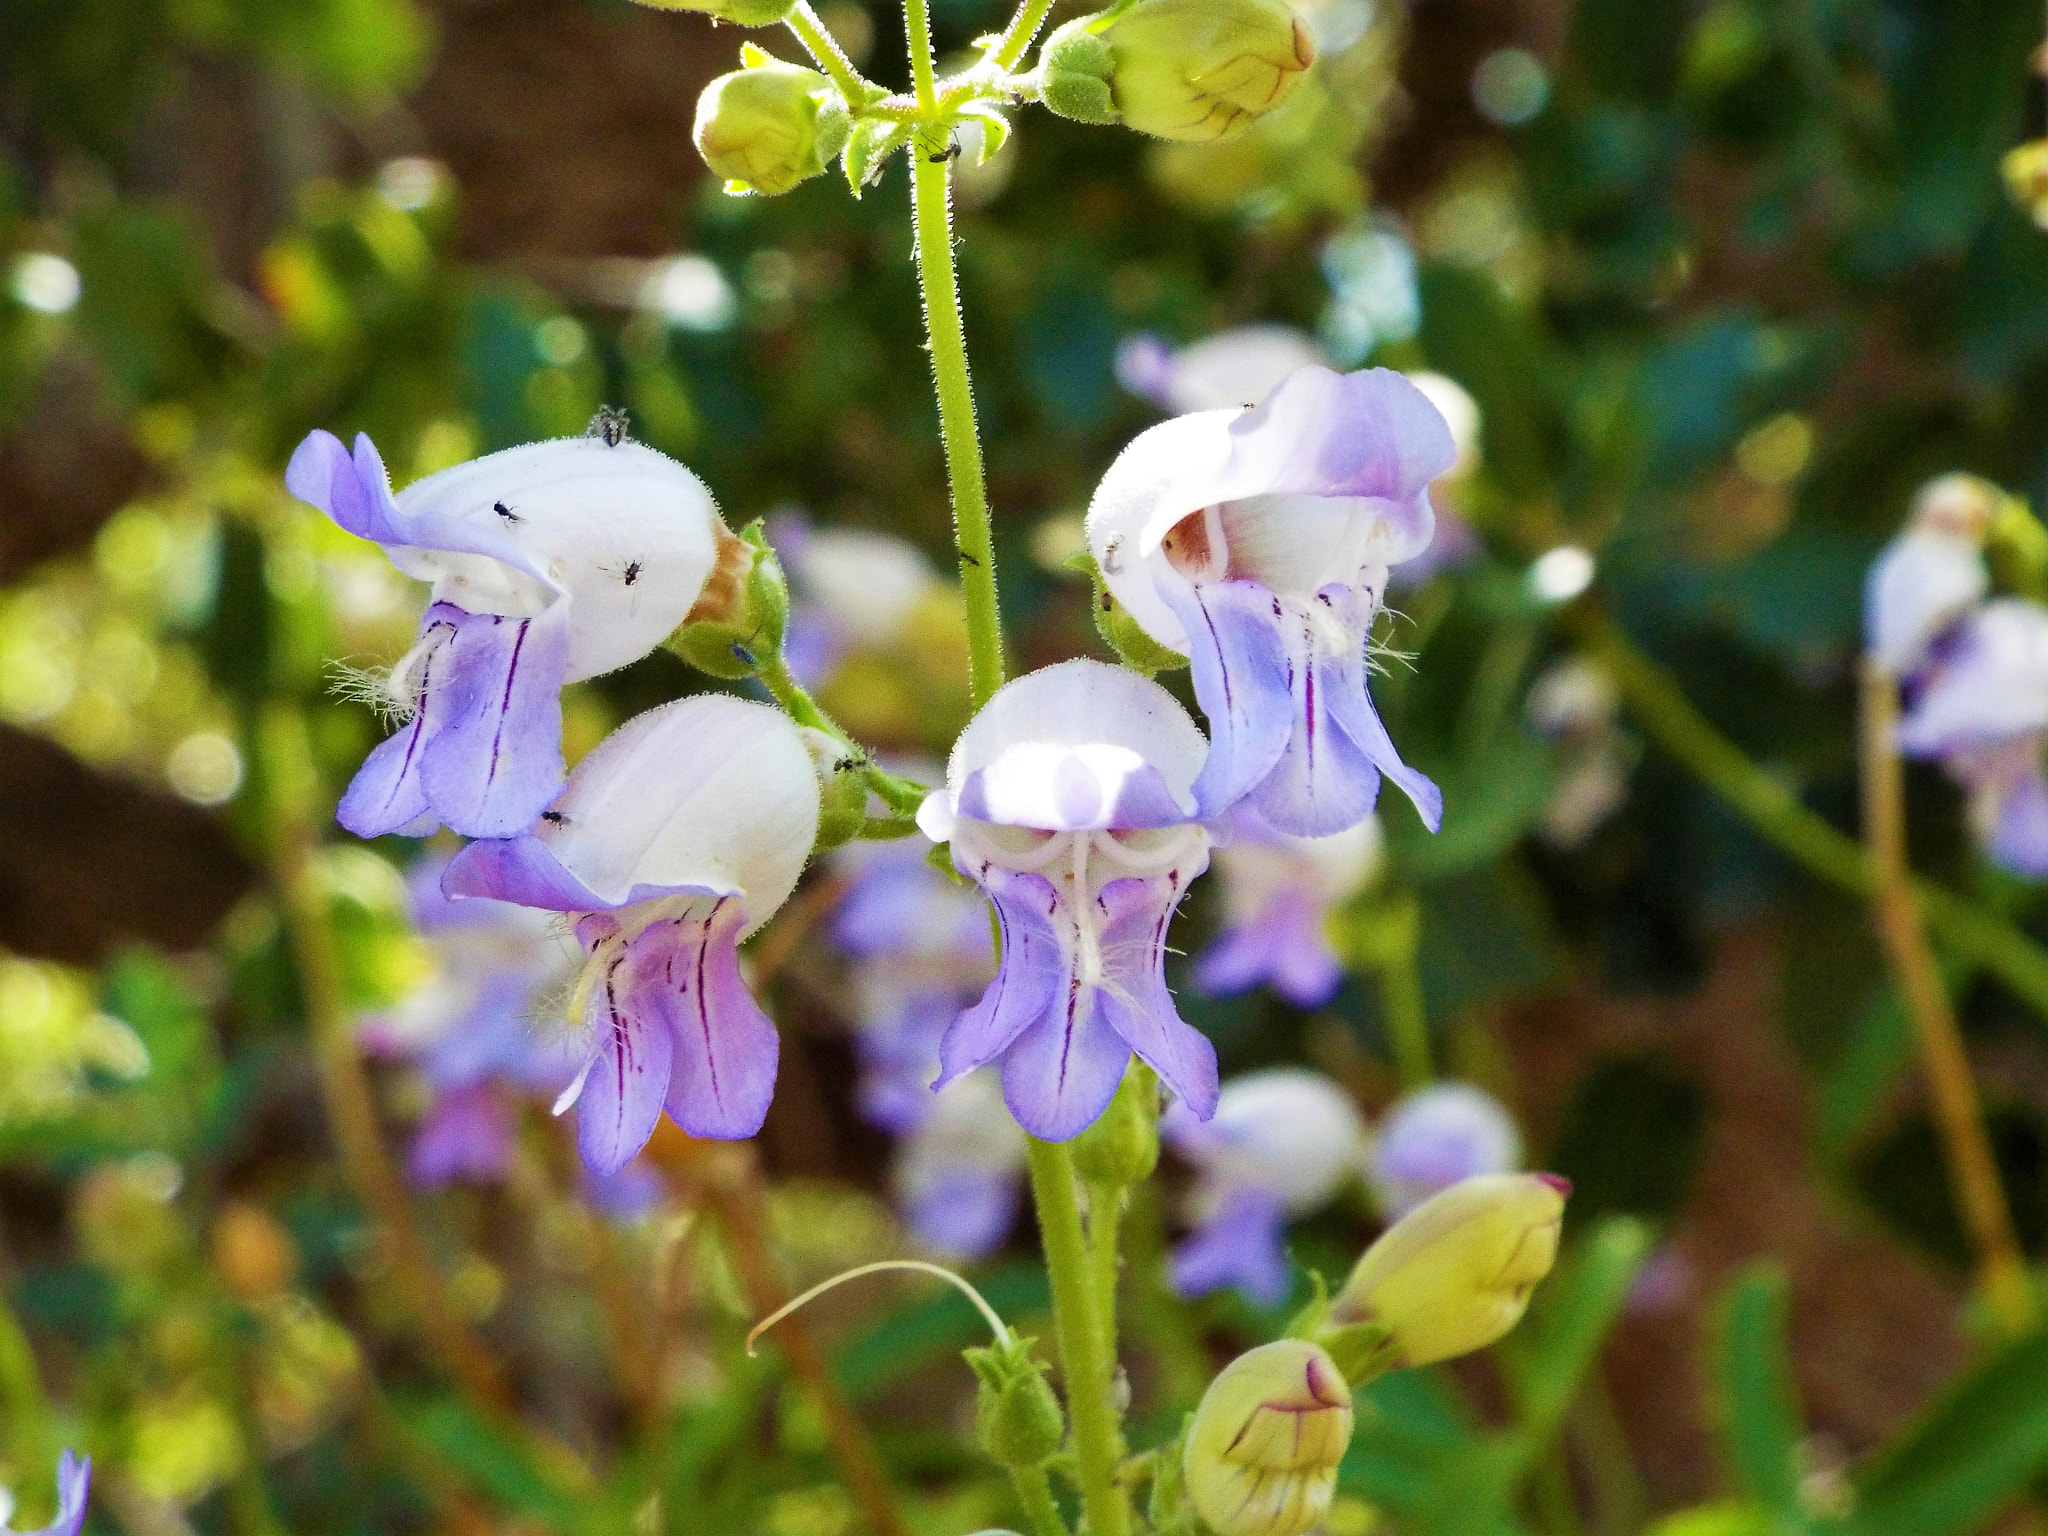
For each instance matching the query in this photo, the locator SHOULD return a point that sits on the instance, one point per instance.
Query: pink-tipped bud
(1262, 1453)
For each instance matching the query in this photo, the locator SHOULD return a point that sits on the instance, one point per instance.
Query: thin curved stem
(933, 220)
(996, 1325)
(1087, 1362)
(1958, 1114)
(824, 48)
(1661, 709)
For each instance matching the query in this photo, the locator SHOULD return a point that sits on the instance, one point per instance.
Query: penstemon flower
(1258, 542)
(1981, 707)
(550, 563)
(1931, 574)
(1263, 1447)
(74, 1477)
(1436, 1137)
(1069, 801)
(1282, 1143)
(680, 834)
(1278, 892)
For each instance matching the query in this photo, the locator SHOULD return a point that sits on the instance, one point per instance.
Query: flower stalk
(1958, 1113)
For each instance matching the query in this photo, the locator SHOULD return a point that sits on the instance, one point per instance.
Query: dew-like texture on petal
(1924, 581)
(1991, 683)
(624, 532)
(1241, 1246)
(726, 1047)
(496, 760)
(1284, 685)
(1087, 705)
(1365, 444)
(707, 795)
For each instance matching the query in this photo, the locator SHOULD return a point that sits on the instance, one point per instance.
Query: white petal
(1459, 411)
(1289, 1132)
(624, 532)
(709, 791)
(870, 583)
(1084, 703)
(1996, 687)
(1923, 581)
(1237, 367)
(1146, 475)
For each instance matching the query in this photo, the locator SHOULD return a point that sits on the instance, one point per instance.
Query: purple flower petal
(1060, 1073)
(74, 1480)
(524, 870)
(1239, 1246)
(387, 794)
(1240, 667)
(354, 491)
(726, 1047)
(1283, 946)
(1134, 999)
(2019, 836)
(628, 1077)
(1032, 974)
(496, 761)
(964, 1213)
(625, 1195)
(468, 1134)
(1062, 791)
(1320, 433)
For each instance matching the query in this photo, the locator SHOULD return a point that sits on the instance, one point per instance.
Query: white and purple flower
(679, 835)
(1931, 574)
(1980, 706)
(1231, 368)
(957, 1172)
(1436, 1136)
(1069, 801)
(1278, 892)
(74, 1478)
(1282, 1143)
(550, 563)
(1258, 542)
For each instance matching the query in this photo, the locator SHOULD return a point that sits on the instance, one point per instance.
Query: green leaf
(1760, 1418)
(1969, 1456)
(1878, 1050)
(868, 148)
(1550, 1354)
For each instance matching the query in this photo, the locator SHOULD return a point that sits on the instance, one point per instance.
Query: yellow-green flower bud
(744, 13)
(1262, 1452)
(739, 618)
(2026, 178)
(769, 126)
(1455, 1273)
(1122, 1147)
(1178, 69)
(1016, 1417)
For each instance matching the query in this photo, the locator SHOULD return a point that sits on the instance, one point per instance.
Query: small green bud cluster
(1177, 69)
(1016, 1417)
(1122, 1147)
(744, 13)
(770, 125)
(1262, 1450)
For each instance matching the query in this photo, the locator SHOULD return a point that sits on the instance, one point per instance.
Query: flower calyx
(1120, 632)
(1017, 1419)
(770, 125)
(1122, 1147)
(741, 616)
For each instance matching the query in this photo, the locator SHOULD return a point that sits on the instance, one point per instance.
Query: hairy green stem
(1018, 34)
(1662, 710)
(901, 795)
(1105, 1219)
(824, 47)
(1034, 1492)
(924, 80)
(1087, 1359)
(932, 214)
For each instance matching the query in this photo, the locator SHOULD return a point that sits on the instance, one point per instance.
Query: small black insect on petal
(632, 572)
(505, 512)
(609, 424)
(554, 818)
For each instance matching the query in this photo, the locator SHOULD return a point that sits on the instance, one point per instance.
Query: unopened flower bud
(740, 616)
(1455, 1273)
(1178, 69)
(769, 126)
(743, 13)
(1122, 1148)
(1016, 1417)
(1262, 1452)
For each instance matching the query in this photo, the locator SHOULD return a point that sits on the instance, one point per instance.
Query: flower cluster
(1974, 668)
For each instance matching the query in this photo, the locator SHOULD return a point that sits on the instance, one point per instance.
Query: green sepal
(995, 128)
(1168, 1508)
(1362, 1350)
(868, 148)
(1120, 632)
(1073, 76)
(842, 791)
(743, 615)
(940, 857)
(1122, 1147)
(1017, 1420)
